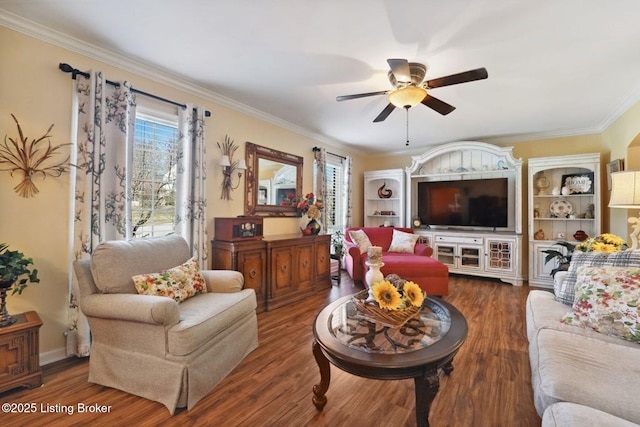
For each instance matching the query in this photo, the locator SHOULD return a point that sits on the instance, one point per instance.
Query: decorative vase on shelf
(542, 183)
(580, 236)
(313, 227)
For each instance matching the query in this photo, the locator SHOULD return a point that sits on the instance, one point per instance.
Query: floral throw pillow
(567, 290)
(608, 301)
(179, 282)
(403, 242)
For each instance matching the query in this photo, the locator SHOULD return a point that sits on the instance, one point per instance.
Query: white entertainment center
(482, 251)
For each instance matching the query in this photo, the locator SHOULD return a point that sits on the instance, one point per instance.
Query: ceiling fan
(410, 88)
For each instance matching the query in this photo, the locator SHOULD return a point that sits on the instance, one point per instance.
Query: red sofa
(429, 273)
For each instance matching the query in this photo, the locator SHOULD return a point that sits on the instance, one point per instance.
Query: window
(336, 197)
(153, 175)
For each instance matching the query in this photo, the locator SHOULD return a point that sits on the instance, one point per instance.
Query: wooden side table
(20, 353)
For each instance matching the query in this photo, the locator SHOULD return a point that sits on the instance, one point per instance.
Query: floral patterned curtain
(320, 179)
(191, 198)
(348, 180)
(104, 118)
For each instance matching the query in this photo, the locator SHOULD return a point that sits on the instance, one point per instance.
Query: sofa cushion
(566, 414)
(403, 242)
(587, 370)
(114, 263)
(607, 300)
(360, 238)
(543, 312)
(207, 316)
(179, 283)
(566, 291)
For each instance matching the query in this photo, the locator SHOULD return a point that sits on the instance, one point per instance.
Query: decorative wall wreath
(17, 154)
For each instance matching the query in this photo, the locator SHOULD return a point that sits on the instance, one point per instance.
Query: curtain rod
(333, 154)
(74, 72)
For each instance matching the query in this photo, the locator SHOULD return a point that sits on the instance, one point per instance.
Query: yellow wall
(618, 138)
(38, 94)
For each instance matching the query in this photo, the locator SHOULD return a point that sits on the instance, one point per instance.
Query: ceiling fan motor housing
(417, 71)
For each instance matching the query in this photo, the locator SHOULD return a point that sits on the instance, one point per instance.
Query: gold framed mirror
(273, 181)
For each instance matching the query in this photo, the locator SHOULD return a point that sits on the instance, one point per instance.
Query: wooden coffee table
(418, 350)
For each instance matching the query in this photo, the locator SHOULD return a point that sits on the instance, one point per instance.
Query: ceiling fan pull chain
(407, 108)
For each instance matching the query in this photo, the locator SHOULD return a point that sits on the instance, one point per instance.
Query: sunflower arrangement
(390, 304)
(605, 242)
(389, 297)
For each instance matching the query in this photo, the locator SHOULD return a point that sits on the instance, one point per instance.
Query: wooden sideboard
(281, 269)
(19, 353)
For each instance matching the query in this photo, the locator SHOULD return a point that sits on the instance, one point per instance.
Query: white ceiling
(555, 67)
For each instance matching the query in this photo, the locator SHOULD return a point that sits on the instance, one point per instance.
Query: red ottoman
(430, 274)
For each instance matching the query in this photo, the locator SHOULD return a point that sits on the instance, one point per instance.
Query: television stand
(486, 253)
(477, 253)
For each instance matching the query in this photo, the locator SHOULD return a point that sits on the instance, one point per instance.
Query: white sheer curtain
(104, 117)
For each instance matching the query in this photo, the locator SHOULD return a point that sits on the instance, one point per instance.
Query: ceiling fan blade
(454, 79)
(361, 95)
(438, 105)
(385, 113)
(400, 69)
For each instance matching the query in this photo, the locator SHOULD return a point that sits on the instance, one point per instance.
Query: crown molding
(57, 38)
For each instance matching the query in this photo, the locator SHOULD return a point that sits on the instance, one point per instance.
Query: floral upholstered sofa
(584, 342)
(161, 328)
(402, 254)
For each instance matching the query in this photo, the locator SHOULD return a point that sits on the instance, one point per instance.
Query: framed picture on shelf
(616, 165)
(579, 183)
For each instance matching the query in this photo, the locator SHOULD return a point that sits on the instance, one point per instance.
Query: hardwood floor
(490, 385)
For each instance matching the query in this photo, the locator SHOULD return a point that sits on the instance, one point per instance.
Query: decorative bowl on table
(390, 304)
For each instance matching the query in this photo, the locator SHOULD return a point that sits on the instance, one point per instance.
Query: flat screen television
(466, 203)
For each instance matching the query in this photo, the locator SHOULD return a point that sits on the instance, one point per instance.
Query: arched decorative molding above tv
(492, 174)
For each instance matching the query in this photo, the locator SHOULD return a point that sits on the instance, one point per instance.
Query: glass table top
(350, 328)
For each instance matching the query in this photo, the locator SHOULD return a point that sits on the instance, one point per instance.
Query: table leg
(426, 389)
(319, 390)
(448, 368)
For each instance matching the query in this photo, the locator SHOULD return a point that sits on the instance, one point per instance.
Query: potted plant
(337, 243)
(14, 267)
(562, 257)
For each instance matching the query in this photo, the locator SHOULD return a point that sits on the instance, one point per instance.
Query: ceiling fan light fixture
(407, 97)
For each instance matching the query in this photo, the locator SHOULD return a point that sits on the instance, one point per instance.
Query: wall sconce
(229, 166)
(625, 193)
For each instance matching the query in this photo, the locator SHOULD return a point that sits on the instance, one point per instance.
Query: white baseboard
(53, 356)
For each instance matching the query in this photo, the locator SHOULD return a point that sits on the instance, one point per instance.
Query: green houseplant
(337, 243)
(562, 257)
(14, 267)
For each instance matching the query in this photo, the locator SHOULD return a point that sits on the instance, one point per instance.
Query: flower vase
(373, 275)
(314, 227)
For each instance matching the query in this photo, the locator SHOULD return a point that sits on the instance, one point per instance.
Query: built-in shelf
(384, 181)
(545, 175)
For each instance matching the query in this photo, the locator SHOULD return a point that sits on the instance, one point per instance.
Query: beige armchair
(152, 346)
